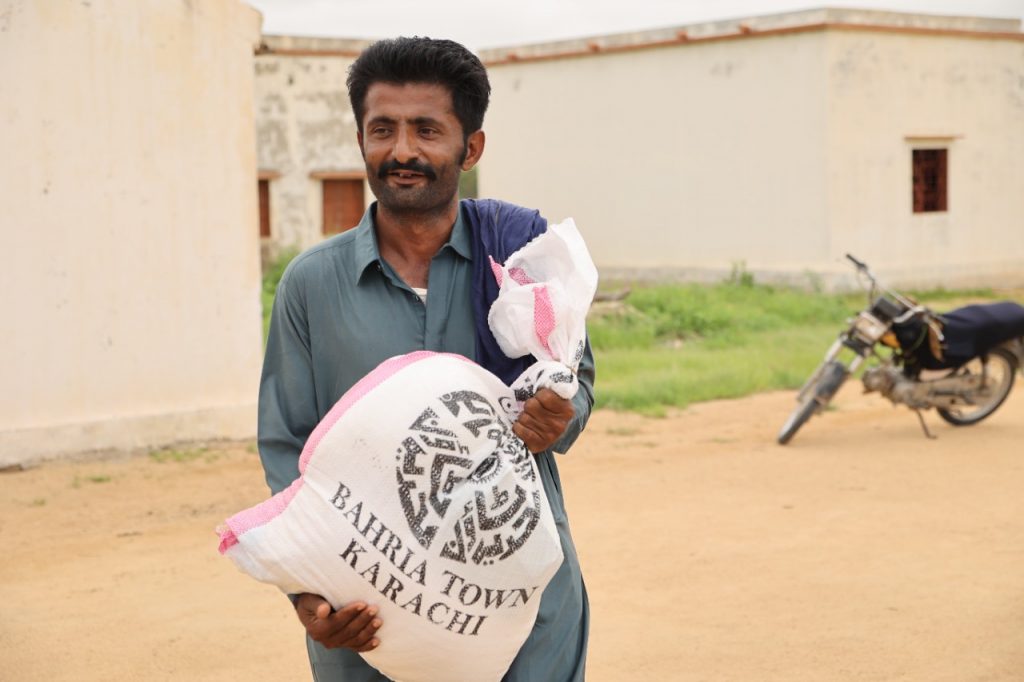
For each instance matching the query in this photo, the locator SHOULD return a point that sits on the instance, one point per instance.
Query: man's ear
(474, 149)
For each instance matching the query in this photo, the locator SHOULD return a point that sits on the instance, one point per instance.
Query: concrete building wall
(889, 93)
(305, 130)
(677, 157)
(131, 311)
(781, 142)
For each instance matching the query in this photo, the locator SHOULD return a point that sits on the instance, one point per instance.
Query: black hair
(423, 60)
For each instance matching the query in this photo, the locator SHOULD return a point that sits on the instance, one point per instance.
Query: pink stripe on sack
(371, 381)
(519, 275)
(227, 540)
(262, 513)
(543, 317)
(267, 510)
(496, 269)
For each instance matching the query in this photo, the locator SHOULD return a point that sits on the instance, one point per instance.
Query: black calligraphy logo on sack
(433, 461)
(530, 384)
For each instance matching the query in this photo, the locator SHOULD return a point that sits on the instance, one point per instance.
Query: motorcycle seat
(975, 329)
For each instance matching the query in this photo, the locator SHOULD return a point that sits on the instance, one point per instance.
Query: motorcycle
(962, 363)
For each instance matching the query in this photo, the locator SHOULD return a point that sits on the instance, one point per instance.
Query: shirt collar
(367, 252)
(459, 240)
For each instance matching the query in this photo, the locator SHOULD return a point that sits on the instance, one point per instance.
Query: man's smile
(406, 173)
(405, 177)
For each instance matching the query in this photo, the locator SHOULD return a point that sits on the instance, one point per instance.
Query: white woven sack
(544, 292)
(415, 496)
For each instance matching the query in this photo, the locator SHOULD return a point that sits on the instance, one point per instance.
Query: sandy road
(862, 551)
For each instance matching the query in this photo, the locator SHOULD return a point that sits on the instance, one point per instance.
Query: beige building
(131, 314)
(311, 177)
(781, 142)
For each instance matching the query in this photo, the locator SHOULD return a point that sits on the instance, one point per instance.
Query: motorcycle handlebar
(859, 264)
(912, 307)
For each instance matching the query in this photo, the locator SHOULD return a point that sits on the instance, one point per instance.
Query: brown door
(343, 204)
(264, 208)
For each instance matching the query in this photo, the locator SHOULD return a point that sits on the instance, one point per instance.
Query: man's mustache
(412, 167)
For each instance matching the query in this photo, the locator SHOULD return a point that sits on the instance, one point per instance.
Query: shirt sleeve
(583, 402)
(287, 397)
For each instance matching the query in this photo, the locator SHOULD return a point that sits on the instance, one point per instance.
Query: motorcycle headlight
(869, 327)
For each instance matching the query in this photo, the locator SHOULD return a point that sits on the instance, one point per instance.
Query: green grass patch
(183, 455)
(77, 481)
(648, 380)
(623, 431)
(943, 295)
(271, 277)
(664, 315)
(672, 345)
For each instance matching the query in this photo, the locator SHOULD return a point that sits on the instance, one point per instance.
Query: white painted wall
(697, 156)
(782, 151)
(967, 94)
(131, 313)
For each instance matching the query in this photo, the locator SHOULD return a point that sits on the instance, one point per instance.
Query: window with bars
(930, 180)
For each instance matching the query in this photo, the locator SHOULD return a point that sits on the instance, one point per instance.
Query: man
(414, 275)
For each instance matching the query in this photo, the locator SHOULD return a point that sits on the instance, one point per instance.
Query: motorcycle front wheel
(998, 372)
(816, 398)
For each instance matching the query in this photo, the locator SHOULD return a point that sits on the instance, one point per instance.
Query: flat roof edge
(776, 24)
(312, 46)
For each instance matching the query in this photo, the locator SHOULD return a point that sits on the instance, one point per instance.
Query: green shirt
(341, 310)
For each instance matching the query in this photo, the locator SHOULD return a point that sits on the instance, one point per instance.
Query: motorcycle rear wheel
(817, 397)
(999, 371)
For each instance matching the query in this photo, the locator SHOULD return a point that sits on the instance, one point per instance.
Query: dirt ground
(862, 551)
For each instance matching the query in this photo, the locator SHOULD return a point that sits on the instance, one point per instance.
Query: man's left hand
(543, 420)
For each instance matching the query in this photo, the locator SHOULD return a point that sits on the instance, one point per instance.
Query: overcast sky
(493, 23)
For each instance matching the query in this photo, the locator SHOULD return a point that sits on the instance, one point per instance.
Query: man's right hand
(351, 627)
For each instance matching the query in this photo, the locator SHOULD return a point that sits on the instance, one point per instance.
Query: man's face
(413, 146)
